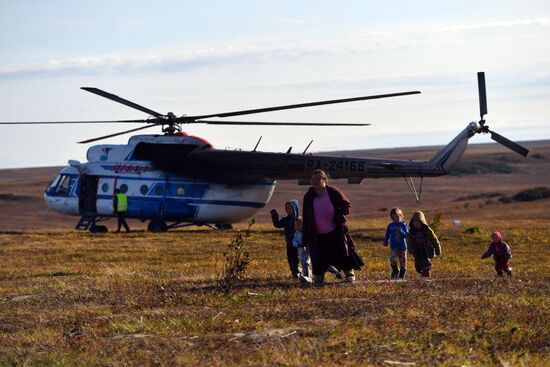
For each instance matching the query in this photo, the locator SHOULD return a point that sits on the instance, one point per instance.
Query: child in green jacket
(423, 244)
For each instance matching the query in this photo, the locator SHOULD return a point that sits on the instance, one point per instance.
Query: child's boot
(394, 271)
(349, 276)
(426, 273)
(336, 272)
(509, 272)
(402, 272)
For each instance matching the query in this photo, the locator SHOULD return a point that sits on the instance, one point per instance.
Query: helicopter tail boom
(447, 158)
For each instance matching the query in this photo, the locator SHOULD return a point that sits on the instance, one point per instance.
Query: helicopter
(183, 180)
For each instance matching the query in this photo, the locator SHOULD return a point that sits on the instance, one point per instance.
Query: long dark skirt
(329, 253)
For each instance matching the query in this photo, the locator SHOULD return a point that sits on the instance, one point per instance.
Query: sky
(203, 57)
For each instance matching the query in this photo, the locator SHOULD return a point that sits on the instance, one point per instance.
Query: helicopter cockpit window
(62, 188)
(123, 188)
(52, 185)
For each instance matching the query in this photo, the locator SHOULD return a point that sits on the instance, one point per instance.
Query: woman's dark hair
(321, 174)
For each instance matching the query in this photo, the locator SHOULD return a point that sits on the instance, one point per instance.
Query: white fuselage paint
(152, 194)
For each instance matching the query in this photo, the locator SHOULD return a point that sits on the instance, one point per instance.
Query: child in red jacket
(501, 253)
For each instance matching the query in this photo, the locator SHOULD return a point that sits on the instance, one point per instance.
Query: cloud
(527, 77)
(496, 25)
(183, 60)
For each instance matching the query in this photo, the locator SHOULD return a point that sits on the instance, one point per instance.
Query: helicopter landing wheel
(157, 225)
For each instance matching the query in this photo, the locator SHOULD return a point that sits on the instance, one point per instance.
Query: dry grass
(142, 299)
(153, 299)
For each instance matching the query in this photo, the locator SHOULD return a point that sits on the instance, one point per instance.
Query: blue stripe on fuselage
(194, 201)
(183, 180)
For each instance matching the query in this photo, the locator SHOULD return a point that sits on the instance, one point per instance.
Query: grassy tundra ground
(72, 298)
(143, 299)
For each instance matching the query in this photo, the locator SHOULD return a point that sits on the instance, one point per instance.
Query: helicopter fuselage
(153, 193)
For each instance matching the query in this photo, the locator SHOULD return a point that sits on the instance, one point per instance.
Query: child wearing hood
(396, 234)
(423, 244)
(288, 223)
(501, 254)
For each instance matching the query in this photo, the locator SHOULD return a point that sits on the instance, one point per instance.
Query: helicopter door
(105, 192)
(88, 194)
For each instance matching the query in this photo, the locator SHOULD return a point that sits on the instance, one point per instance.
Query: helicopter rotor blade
(214, 122)
(300, 105)
(509, 144)
(118, 99)
(119, 133)
(482, 94)
(73, 122)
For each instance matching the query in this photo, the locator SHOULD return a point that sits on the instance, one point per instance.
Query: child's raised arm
(275, 219)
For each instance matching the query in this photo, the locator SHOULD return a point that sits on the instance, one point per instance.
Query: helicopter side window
(62, 188)
(123, 188)
(105, 187)
(143, 189)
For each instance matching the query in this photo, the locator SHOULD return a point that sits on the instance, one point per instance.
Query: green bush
(474, 230)
(436, 223)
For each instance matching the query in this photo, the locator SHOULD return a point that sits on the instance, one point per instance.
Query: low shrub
(235, 260)
(537, 193)
(505, 200)
(533, 194)
(436, 223)
(474, 230)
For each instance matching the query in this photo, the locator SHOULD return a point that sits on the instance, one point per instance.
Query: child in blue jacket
(288, 223)
(396, 234)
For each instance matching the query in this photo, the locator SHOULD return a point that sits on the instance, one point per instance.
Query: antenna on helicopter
(258, 143)
(305, 150)
(485, 128)
(289, 150)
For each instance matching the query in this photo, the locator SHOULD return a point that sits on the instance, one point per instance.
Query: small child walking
(288, 223)
(423, 244)
(396, 235)
(303, 252)
(501, 254)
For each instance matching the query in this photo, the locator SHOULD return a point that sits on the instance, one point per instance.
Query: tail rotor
(484, 128)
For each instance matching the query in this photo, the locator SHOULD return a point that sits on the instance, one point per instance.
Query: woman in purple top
(325, 231)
